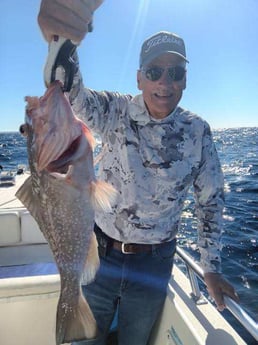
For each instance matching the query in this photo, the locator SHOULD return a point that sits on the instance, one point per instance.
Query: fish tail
(103, 195)
(74, 323)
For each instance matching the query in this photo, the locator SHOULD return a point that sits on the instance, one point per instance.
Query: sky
(221, 46)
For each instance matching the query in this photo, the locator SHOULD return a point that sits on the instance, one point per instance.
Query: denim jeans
(136, 284)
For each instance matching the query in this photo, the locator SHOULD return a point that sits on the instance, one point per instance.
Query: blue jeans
(136, 284)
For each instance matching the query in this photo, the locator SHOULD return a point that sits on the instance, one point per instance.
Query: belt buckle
(123, 249)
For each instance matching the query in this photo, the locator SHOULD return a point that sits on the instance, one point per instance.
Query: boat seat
(10, 230)
(19, 227)
(30, 232)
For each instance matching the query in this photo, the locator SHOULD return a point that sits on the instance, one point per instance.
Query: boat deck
(29, 290)
(7, 192)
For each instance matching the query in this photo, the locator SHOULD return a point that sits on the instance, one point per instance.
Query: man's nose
(165, 78)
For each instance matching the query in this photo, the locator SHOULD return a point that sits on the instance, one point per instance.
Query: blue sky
(221, 43)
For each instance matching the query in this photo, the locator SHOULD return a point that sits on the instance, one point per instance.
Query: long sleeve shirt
(152, 164)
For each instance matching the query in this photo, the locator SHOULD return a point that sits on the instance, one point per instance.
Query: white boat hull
(28, 304)
(184, 322)
(28, 310)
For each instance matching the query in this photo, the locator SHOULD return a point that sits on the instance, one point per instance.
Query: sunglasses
(176, 73)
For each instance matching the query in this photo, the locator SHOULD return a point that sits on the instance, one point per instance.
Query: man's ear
(139, 80)
(184, 82)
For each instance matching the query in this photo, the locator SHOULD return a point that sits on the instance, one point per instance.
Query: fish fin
(91, 263)
(64, 177)
(103, 195)
(58, 176)
(76, 322)
(27, 197)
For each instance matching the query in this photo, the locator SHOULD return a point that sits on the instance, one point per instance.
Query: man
(155, 151)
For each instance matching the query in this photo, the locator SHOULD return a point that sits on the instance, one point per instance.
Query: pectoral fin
(27, 197)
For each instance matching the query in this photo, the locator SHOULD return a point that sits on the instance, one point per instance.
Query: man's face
(161, 96)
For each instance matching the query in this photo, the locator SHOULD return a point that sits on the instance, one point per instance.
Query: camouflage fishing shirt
(153, 163)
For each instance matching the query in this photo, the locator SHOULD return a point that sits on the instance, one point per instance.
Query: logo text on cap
(153, 42)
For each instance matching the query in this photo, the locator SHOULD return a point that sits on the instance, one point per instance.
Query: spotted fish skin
(62, 194)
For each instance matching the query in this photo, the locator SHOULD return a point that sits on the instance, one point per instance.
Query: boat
(7, 178)
(28, 303)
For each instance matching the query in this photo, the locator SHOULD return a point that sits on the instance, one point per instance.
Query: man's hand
(66, 18)
(217, 287)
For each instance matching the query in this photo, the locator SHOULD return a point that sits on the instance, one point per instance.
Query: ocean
(238, 151)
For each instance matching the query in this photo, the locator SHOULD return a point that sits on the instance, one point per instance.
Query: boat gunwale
(194, 270)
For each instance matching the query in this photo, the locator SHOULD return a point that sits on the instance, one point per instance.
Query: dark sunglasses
(176, 73)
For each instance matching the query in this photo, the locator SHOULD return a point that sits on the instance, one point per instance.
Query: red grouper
(61, 194)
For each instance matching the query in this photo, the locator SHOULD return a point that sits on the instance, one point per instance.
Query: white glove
(67, 18)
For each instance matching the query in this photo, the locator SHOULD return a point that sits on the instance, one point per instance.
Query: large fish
(61, 194)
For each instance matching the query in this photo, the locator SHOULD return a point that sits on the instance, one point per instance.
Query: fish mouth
(52, 128)
(61, 164)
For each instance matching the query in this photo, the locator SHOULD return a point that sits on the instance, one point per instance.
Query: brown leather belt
(105, 242)
(133, 248)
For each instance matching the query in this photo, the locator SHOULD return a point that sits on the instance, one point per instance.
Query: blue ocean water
(238, 151)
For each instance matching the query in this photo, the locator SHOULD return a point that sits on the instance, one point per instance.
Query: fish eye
(23, 130)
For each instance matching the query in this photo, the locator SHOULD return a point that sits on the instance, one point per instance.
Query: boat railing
(195, 273)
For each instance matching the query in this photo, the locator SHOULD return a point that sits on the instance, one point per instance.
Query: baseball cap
(160, 43)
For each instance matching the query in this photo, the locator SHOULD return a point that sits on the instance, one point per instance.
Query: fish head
(51, 126)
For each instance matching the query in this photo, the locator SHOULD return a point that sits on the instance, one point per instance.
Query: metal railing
(195, 271)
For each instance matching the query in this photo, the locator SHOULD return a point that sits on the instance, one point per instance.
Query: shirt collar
(139, 113)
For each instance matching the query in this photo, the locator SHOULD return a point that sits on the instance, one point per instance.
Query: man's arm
(70, 19)
(209, 193)
(100, 110)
